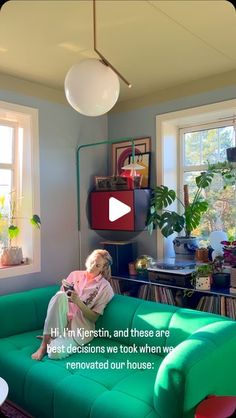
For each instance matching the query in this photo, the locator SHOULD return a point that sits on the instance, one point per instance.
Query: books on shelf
(115, 286)
(222, 304)
(144, 291)
(157, 294)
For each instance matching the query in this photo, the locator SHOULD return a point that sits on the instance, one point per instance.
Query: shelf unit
(219, 301)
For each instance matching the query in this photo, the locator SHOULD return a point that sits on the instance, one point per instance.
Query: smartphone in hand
(67, 286)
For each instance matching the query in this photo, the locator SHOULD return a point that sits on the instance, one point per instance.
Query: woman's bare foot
(40, 353)
(42, 350)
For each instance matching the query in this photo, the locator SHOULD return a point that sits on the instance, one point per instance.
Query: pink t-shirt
(95, 294)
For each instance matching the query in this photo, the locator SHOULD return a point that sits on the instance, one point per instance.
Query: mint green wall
(142, 122)
(61, 129)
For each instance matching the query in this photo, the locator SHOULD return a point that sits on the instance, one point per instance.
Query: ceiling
(155, 45)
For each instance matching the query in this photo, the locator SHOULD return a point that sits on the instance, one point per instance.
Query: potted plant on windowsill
(190, 215)
(12, 254)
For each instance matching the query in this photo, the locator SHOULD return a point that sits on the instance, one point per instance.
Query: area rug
(10, 410)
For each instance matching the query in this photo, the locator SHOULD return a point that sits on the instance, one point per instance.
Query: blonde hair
(106, 271)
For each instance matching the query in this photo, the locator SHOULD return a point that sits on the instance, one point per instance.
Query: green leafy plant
(191, 213)
(201, 271)
(8, 218)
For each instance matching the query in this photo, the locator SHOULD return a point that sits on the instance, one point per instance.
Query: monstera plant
(190, 214)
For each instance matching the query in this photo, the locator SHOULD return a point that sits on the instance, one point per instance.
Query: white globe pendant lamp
(92, 86)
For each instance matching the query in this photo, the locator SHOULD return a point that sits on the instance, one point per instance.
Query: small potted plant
(12, 254)
(229, 250)
(201, 277)
(220, 277)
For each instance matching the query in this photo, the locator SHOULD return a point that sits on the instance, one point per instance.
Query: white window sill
(19, 270)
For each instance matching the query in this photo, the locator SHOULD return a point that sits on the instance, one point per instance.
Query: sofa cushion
(186, 321)
(150, 316)
(119, 315)
(25, 311)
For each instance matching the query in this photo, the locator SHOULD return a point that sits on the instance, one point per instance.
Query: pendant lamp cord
(104, 60)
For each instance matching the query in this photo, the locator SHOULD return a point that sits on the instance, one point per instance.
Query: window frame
(26, 118)
(167, 135)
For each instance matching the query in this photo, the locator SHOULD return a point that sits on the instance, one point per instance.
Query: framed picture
(121, 151)
(143, 159)
(120, 183)
(103, 183)
(111, 183)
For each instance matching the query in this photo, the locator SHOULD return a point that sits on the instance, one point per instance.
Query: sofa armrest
(24, 311)
(202, 365)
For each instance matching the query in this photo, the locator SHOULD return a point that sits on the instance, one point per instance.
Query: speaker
(122, 254)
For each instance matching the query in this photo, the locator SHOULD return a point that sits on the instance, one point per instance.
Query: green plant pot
(221, 280)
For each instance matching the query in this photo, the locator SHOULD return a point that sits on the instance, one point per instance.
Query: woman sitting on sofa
(72, 312)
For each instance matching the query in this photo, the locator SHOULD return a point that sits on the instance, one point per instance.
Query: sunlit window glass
(6, 144)
(200, 148)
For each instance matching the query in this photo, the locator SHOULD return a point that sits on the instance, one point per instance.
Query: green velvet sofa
(121, 382)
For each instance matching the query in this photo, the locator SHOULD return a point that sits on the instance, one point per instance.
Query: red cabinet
(119, 210)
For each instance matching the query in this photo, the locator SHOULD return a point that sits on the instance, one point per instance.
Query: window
(200, 145)
(169, 149)
(8, 153)
(19, 182)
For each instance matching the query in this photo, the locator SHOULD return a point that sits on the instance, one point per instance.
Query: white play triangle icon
(117, 209)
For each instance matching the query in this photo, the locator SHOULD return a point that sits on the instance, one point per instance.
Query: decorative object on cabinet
(103, 205)
(132, 271)
(216, 238)
(122, 151)
(190, 218)
(201, 255)
(143, 159)
(132, 173)
(142, 263)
